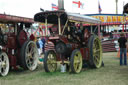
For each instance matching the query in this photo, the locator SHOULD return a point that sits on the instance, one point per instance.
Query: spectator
(111, 35)
(122, 44)
(43, 43)
(39, 44)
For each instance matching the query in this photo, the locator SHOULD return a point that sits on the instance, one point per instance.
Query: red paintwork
(11, 41)
(12, 47)
(64, 39)
(22, 37)
(11, 18)
(12, 60)
(86, 35)
(32, 37)
(84, 50)
(85, 53)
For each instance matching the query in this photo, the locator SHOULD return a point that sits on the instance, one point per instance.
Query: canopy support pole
(91, 30)
(59, 25)
(99, 30)
(123, 27)
(15, 28)
(65, 26)
(46, 23)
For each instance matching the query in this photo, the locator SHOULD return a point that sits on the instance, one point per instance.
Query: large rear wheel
(95, 50)
(50, 62)
(4, 64)
(29, 55)
(76, 61)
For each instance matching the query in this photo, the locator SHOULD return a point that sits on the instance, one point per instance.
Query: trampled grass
(110, 74)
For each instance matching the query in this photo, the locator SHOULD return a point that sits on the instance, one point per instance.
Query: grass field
(110, 74)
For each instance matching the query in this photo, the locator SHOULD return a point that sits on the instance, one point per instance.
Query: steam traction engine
(74, 45)
(17, 49)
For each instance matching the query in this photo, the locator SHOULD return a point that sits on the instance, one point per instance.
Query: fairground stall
(111, 23)
(111, 27)
(17, 47)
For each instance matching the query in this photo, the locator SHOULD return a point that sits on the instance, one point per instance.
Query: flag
(54, 7)
(99, 8)
(78, 3)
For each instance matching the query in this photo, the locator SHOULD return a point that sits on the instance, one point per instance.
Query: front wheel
(50, 62)
(76, 61)
(4, 64)
(29, 55)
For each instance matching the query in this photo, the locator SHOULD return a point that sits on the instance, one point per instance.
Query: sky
(28, 8)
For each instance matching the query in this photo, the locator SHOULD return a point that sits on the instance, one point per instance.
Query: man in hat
(122, 44)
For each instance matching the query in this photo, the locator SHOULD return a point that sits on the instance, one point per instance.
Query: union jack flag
(54, 7)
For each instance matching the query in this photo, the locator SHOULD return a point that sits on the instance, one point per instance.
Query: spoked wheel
(4, 64)
(95, 51)
(76, 61)
(29, 55)
(50, 62)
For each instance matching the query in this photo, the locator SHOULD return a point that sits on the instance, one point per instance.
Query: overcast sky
(27, 8)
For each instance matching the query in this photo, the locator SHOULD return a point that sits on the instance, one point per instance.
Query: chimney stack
(61, 5)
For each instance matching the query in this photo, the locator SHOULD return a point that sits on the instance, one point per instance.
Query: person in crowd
(111, 35)
(122, 44)
(43, 43)
(39, 44)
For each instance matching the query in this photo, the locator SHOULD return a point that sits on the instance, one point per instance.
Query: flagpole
(99, 7)
(116, 6)
(72, 7)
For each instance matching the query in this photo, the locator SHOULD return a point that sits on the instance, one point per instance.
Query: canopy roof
(14, 19)
(52, 17)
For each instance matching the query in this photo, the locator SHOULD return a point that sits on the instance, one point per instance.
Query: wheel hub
(3, 64)
(29, 55)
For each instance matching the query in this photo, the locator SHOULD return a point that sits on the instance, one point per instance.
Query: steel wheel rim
(51, 62)
(77, 62)
(4, 64)
(97, 53)
(31, 56)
